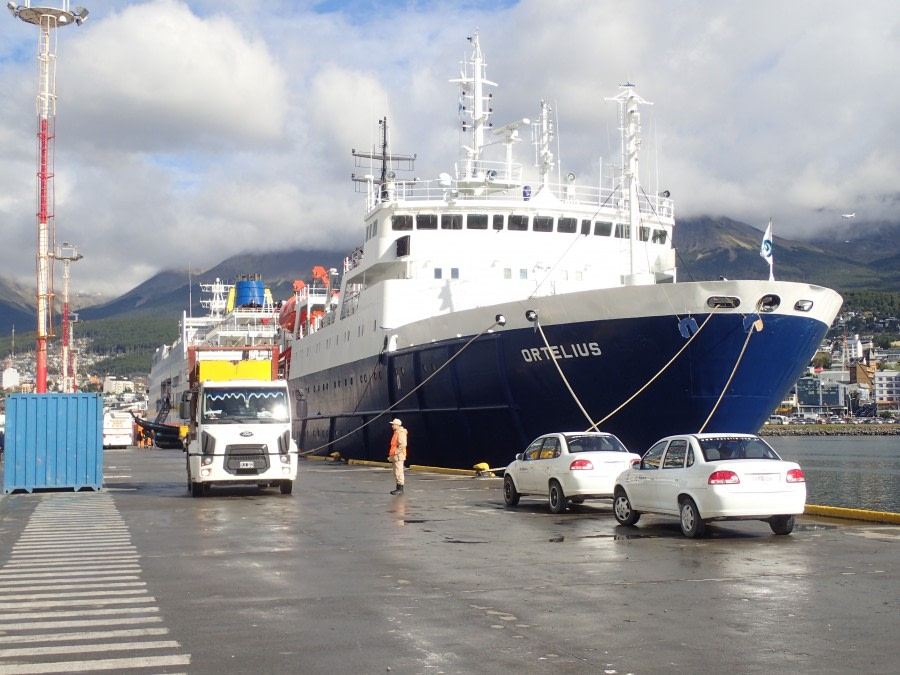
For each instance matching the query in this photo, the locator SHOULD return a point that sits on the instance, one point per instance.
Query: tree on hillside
(822, 360)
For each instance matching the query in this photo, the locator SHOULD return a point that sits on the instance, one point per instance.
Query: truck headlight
(285, 459)
(206, 460)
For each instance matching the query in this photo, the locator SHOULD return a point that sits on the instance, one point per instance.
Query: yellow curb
(852, 514)
(416, 467)
(366, 462)
(438, 469)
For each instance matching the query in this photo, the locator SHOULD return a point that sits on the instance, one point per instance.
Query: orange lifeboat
(288, 314)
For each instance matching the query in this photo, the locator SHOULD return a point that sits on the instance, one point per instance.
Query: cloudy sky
(188, 131)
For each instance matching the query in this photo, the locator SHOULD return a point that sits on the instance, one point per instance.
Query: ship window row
(515, 222)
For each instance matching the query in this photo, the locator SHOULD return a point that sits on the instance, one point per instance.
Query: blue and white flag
(765, 250)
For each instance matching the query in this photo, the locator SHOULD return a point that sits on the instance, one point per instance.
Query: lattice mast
(47, 19)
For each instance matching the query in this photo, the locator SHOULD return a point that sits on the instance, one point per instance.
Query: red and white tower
(47, 19)
(68, 253)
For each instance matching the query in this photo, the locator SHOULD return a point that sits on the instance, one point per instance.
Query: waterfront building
(9, 378)
(887, 389)
(115, 385)
(822, 397)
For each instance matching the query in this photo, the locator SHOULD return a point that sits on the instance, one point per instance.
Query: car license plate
(247, 465)
(763, 477)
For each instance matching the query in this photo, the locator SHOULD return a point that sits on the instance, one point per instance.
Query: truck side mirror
(184, 410)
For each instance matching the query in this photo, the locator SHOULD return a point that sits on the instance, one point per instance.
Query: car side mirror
(520, 456)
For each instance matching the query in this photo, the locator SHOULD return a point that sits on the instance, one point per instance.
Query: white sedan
(704, 477)
(567, 466)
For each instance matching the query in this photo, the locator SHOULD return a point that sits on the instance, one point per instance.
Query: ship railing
(568, 194)
(354, 259)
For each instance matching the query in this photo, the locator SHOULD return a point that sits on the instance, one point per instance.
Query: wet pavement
(343, 577)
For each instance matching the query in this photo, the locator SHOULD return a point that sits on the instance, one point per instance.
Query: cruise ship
(499, 301)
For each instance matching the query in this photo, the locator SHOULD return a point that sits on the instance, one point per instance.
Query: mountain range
(708, 248)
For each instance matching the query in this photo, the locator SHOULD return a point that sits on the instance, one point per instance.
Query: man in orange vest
(397, 453)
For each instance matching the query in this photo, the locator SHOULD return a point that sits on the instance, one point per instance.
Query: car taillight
(723, 478)
(795, 476)
(581, 465)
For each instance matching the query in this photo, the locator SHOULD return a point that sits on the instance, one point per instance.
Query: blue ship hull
(504, 389)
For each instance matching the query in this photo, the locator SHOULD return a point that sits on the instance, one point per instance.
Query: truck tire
(287, 486)
(198, 489)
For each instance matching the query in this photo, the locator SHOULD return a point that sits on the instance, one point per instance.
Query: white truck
(118, 429)
(238, 431)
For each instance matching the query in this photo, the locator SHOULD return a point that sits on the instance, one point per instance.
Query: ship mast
(630, 127)
(389, 164)
(474, 104)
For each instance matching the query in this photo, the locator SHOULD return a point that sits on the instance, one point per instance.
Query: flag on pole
(765, 250)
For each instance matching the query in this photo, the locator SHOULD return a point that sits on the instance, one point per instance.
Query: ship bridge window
(371, 229)
(402, 222)
(498, 221)
(426, 221)
(451, 221)
(623, 231)
(476, 221)
(507, 273)
(602, 228)
(517, 223)
(543, 224)
(566, 225)
(644, 233)
(659, 236)
(769, 303)
(723, 302)
(454, 273)
(585, 226)
(438, 273)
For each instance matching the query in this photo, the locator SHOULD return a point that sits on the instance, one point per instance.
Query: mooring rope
(594, 426)
(540, 328)
(753, 328)
(660, 372)
(498, 321)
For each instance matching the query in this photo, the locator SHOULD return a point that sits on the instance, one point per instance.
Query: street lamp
(68, 253)
(46, 19)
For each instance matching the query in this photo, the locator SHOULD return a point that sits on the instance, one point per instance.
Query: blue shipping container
(53, 441)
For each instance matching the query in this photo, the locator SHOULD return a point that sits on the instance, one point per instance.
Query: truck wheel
(287, 486)
(198, 489)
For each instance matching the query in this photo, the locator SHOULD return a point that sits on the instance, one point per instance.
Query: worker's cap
(397, 422)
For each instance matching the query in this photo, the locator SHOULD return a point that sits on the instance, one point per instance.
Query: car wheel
(782, 524)
(622, 510)
(287, 486)
(510, 494)
(557, 497)
(691, 524)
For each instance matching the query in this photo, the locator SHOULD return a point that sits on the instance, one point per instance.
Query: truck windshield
(246, 404)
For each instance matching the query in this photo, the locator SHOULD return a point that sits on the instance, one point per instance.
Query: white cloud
(189, 131)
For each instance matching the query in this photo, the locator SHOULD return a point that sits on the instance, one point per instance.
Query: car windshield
(595, 444)
(736, 448)
(247, 404)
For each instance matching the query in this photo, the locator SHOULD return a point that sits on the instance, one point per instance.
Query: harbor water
(856, 472)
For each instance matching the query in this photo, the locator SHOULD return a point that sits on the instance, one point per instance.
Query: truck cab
(239, 431)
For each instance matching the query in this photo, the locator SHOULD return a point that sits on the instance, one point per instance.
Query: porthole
(803, 305)
(769, 303)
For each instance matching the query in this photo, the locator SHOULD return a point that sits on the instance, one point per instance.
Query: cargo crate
(53, 441)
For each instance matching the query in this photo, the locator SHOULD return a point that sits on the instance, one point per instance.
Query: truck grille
(246, 460)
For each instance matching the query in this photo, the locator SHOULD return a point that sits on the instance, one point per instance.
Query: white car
(704, 477)
(567, 466)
